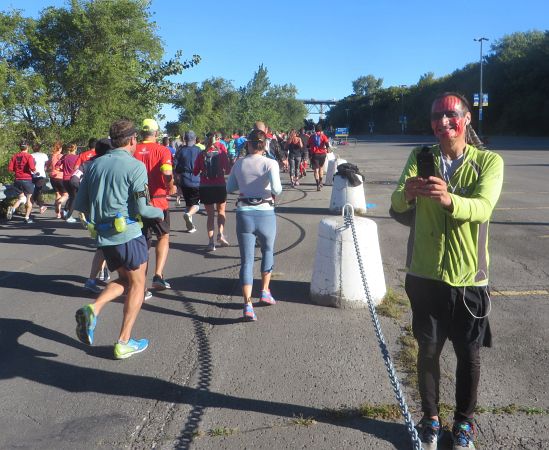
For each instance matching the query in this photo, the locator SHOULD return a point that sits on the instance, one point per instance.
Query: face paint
(448, 117)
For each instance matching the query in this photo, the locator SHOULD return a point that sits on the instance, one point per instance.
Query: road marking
(527, 208)
(544, 236)
(519, 293)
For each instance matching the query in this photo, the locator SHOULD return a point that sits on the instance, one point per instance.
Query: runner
(189, 183)
(66, 164)
(212, 164)
(39, 176)
(258, 179)
(56, 178)
(158, 163)
(112, 194)
(293, 147)
(22, 164)
(318, 145)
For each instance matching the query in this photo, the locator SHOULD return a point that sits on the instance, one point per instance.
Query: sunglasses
(449, 114)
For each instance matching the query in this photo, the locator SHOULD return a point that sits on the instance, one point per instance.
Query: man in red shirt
(22, 164)
(158, 162)
(318, 147)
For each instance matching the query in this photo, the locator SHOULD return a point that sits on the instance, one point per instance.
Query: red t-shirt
(224, 167)
(22, 164)
(66, 163)
(324, 141)
(156, 158)
(84, 157)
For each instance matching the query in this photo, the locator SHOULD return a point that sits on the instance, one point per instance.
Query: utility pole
(481, 100)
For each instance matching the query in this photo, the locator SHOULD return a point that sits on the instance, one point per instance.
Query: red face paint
(448, 117)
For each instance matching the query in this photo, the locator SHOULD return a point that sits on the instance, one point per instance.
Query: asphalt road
(211, 381)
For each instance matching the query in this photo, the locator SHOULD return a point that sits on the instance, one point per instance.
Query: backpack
(317, 140)
(212, 167)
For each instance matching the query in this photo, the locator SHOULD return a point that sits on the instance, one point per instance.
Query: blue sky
(321, 46)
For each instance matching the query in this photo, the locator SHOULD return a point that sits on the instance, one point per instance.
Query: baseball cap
(150, 125)
(190, 136)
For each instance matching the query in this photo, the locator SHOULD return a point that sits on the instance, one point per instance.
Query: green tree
(367, 85)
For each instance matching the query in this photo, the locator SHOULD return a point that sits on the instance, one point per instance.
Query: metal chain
(349, 221)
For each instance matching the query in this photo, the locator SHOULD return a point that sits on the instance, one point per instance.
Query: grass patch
(512, 409)
(303, 421)
(393, 305)
(385, 412)
(222, 431)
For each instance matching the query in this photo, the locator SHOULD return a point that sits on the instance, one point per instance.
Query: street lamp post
(480, 94)
(403, 116)
(347, 111)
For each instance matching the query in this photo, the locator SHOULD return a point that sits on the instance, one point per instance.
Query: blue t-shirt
(184, 161)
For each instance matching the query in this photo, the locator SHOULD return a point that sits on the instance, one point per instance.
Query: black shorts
(439, 312)
(129, 255)
(58, 186)
(153, 226)
(317, 160)
(24, 186)
(212, 194)
(191, 196)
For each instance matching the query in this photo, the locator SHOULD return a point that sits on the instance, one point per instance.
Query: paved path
(279, 383)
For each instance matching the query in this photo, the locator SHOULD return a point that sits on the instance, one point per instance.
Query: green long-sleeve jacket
(453, 246)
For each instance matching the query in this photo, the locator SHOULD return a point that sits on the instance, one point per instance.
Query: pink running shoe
(266, 298)
(249, 313)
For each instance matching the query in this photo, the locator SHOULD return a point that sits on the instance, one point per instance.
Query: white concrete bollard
(336, 277)
(342, 193)
(332, 169)
(329, 157)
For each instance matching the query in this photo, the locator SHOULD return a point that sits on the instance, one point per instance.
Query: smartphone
(425, 163)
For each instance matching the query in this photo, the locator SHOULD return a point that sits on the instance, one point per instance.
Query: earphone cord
(489, 304)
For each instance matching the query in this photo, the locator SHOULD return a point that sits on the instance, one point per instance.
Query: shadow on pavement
(47, 284)
(23, 361)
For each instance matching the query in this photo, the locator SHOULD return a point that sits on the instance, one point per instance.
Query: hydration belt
(254, 201)
(107, 226)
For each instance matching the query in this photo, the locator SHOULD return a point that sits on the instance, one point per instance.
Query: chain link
(416, 443)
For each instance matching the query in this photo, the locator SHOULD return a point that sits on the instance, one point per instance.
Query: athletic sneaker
(267, 298)
(189, 222)
(160, 283)
(430, 432)
(123, 351)
(28, 220)
(9, 212)
(43, 209)
(249, 313)
(91, 285)
(104, 275)
(71, 220)
(85, 324)
(464, 435)
(222, 241)
(210, 247)
(148, 295)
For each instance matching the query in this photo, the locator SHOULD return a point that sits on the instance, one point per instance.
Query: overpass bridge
(318, 106)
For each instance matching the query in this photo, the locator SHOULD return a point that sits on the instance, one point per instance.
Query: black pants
(438, 314)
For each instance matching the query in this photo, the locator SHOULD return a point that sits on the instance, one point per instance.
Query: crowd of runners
(126, 209)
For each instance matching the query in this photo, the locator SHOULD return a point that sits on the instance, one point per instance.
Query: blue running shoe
(430, 432)
(123, 351)
(85, 324)
(249, 313)
(464, 435)
(266, 298)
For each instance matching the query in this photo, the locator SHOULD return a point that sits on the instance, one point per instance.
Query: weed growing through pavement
(393, 305)
(303, 421)
(222, 431)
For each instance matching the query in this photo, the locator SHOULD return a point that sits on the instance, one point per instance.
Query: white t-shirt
(40, 160)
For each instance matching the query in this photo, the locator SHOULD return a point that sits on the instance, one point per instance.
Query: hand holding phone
(425, 163)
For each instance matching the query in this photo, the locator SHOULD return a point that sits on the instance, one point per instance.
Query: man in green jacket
(113, 195)
(447, 280)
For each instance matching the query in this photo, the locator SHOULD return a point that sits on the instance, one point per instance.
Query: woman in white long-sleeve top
(257, 179)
